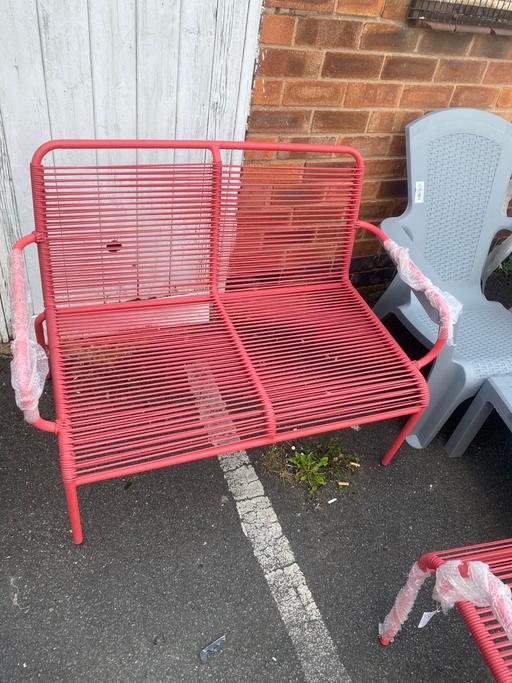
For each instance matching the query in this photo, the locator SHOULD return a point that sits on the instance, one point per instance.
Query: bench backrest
(116, 232)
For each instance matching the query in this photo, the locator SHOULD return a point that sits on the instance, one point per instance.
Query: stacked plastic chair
(459, 169)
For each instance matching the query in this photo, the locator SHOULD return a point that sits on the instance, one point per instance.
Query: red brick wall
(353, 71)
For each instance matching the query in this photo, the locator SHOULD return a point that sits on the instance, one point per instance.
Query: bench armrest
(29, 366)
(444, 303)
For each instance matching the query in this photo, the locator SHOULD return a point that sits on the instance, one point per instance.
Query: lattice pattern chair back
(459, 167)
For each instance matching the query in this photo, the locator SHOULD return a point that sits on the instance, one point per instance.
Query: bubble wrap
(480, 587)
(448, 307)
(29, 367)
(403, 604)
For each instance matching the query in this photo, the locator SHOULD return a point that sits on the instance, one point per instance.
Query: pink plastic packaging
(448, 307)
(29, 366)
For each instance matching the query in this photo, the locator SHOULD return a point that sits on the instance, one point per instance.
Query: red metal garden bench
(195, 308)
(483, 622)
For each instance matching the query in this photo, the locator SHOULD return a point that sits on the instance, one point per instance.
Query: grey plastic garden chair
(459, 165)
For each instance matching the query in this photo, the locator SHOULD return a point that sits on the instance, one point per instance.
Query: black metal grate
(491, 14)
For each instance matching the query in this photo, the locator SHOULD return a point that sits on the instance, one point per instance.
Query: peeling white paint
(313, 644)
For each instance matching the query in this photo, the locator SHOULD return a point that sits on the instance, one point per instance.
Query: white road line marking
(312, 641)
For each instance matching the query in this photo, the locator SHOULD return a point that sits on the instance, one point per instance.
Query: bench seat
(152, 386)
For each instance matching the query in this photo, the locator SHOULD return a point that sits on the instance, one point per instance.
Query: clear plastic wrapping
(403, 604)
(480, 586)
(448, 307)
(29, 367)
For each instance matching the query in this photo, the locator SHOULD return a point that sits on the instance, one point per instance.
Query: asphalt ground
(166, 568)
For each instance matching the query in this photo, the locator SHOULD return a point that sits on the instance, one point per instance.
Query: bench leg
(411, 421)
(74, 512)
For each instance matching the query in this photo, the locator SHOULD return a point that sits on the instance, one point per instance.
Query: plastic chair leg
(495, 393)
(447, 391)
(74, 512)
(468, 427)
(392, 298)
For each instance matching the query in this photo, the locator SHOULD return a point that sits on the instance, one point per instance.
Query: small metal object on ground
(212, 648)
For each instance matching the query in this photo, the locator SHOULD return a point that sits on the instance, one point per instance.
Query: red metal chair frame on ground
(483, 625)
(195, 308)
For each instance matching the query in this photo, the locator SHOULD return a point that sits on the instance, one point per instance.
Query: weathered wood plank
(112, 30)
(158, 56)
(226, 69)
(247, 66)
(158, 48)
(64, 37)
(197, 47)
(9, 232)
(24, 111)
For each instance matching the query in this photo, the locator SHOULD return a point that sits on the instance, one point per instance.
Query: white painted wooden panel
(224, 85)
(113, 53)
(64, 32)
(247, 65)
(158, 57)
(197, 55)
(9, 229)
(115, 68)
(25, 113)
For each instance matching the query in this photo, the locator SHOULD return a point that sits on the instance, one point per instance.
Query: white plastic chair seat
(482, 341)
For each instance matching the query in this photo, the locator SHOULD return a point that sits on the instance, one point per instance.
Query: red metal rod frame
(71, 480)
(443, 327)
(213, 146)
(499, 553)
(432, 562)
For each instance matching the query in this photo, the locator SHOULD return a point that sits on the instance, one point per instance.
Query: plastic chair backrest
(459, 164)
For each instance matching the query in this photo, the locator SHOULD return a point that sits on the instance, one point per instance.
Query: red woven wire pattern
(487, 632)
(195, 308)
